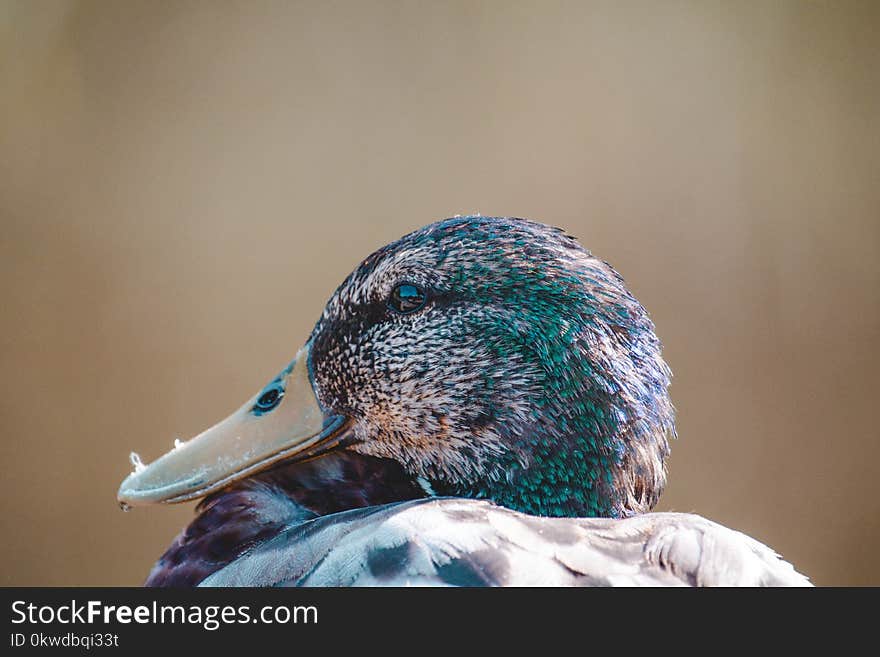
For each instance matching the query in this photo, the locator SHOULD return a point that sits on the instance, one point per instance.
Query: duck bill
(248, 441)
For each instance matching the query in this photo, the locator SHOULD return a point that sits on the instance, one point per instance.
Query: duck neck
(550, 484)
(235, 519)
(592, 465)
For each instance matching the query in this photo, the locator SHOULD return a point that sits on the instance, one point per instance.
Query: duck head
(485, 357)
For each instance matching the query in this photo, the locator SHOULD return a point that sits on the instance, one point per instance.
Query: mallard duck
(482, 402)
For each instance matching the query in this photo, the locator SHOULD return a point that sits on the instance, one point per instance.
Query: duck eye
(269, 399)
(406, 298)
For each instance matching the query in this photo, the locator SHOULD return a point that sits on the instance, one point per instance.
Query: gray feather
(460, 542)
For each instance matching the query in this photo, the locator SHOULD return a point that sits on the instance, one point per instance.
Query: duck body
(482, 402)
(237, 521)
(282, 529)
(464, 542)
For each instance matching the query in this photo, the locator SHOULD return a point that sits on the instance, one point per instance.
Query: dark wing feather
(456, 542)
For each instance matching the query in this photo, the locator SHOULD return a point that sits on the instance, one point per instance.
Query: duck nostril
(268, 400)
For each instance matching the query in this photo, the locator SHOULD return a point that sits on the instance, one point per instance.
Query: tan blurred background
(183, 184)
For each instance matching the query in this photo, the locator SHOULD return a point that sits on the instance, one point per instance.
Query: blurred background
(183, 184)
